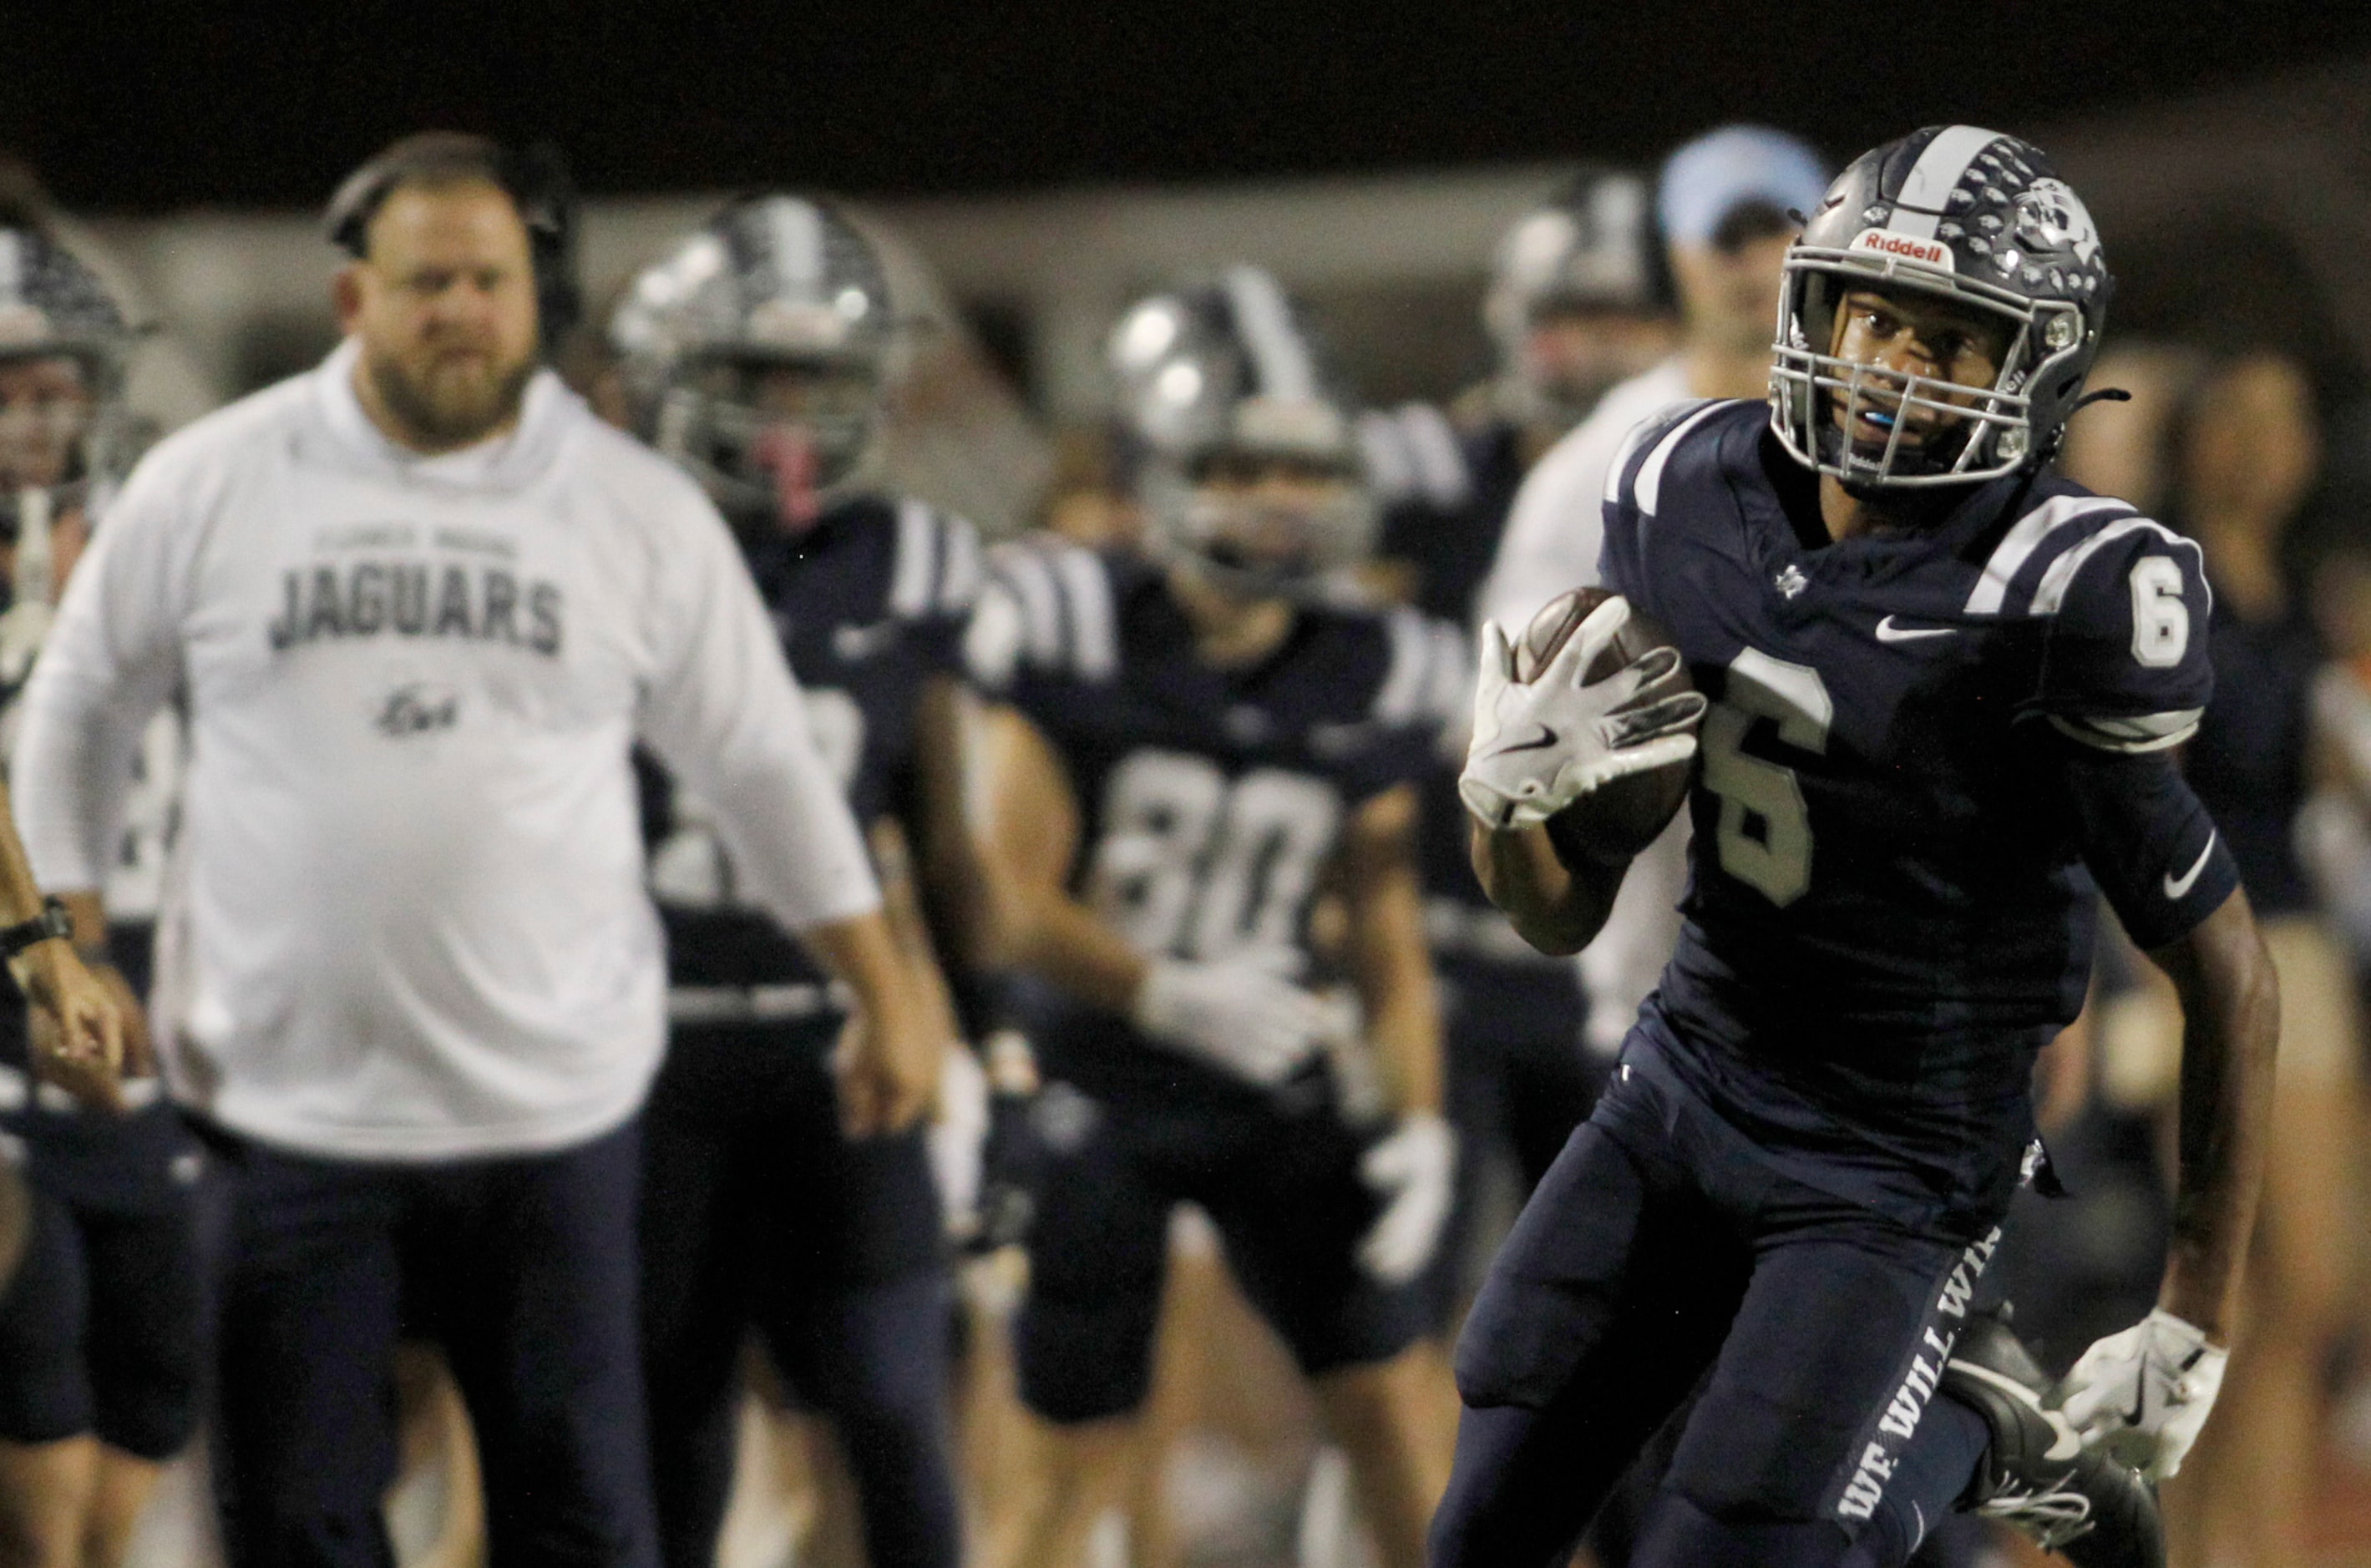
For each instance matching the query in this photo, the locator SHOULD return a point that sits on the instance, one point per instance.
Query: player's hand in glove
(2143, 1394)
(1236, 1015)
(1413, 1171)
(1539, 747)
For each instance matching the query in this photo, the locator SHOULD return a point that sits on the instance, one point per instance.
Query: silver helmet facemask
(775, 291)
(1220, 387)
(1975, 434)
(1958, 213)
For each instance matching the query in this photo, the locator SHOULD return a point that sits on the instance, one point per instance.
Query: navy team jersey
(1211, 802)
(1923, 748)
(145, 1160)
(871, 603)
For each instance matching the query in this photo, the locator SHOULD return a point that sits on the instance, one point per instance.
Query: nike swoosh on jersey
(2178, 887)
(1889, 632)
(1547, 737)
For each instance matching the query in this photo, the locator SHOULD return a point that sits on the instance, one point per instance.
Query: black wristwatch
(52, 921)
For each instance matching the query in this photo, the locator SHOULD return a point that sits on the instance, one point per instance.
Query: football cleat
(2037, 1477)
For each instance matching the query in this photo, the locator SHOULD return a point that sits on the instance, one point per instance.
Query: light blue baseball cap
(1721, 170)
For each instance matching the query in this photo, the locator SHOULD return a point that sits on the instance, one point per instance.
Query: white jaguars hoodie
(413, 924)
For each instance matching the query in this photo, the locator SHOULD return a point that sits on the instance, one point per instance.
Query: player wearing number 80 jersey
(1192, 759)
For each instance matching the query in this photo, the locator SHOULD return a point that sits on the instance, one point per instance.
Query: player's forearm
(1557, 908)
(20, 895)
(1390, 957)
(1395, 984)
(901, 903)
(862, 952)
(1042, 931)
(2230, 1000)
(949, 876)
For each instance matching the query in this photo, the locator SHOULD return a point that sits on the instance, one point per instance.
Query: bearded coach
(420, 602)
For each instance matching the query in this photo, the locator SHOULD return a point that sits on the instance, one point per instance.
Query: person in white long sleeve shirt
(420, 602)
(1722, 202)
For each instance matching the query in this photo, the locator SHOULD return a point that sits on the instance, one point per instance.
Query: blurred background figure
(757, 355)
(105, 1331)
(2247, 461)
(1578, 301)
(1198, 810)
(1723, 202)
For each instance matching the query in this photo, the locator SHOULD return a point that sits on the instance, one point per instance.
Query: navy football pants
(758, 1213)
(522, 1268)
(1661, 1248)
(106, 1327)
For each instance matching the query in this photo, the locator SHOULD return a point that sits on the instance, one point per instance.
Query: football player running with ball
(1944, 684)
(1196, 765)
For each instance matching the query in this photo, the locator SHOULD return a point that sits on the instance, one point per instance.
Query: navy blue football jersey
(2250, 763)
(1918, 745)
(134, 1162)
(1211, 802)
(871, 603)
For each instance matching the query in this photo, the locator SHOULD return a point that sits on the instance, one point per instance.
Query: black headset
(536, 178)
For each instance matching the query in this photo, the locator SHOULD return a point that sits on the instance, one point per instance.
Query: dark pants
(1281, 1185)
(1520, 1080)
(523, 1268)
(759, 1214)
(1662, 1251)
(106, 1328)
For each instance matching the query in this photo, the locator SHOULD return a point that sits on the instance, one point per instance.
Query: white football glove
(1236, 1015)
(2143, 1394)
(957, 1137)
(1539, 747)
(1412, 1169)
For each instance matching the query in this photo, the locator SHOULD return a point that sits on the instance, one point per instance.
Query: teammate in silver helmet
(758, 355)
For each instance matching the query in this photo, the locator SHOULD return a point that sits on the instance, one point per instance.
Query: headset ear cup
(547, 199)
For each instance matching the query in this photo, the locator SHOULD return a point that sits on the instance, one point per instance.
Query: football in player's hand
(1617, 820)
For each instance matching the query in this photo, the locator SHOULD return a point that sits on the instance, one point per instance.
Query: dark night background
(153, 107)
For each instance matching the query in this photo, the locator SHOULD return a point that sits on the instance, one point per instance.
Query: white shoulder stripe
(2055, 581)
(1026, 571)
(1391, 467)
(1440, 466)
(1086, 591)
(1632, 440)
(1648, 488)
(2136, 735)
(1401, 698)
(910, 585)
(959, 577)
(2017, 547)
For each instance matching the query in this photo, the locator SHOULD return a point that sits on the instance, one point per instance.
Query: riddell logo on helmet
(1910, 248)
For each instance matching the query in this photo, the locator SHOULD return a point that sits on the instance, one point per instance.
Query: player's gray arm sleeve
(726, 716)
(109, 661)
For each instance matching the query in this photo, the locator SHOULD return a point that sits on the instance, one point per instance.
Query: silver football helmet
(1967, 215)
(1591, 249)
(66, 432)
(1248, 457)
(757, 355)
